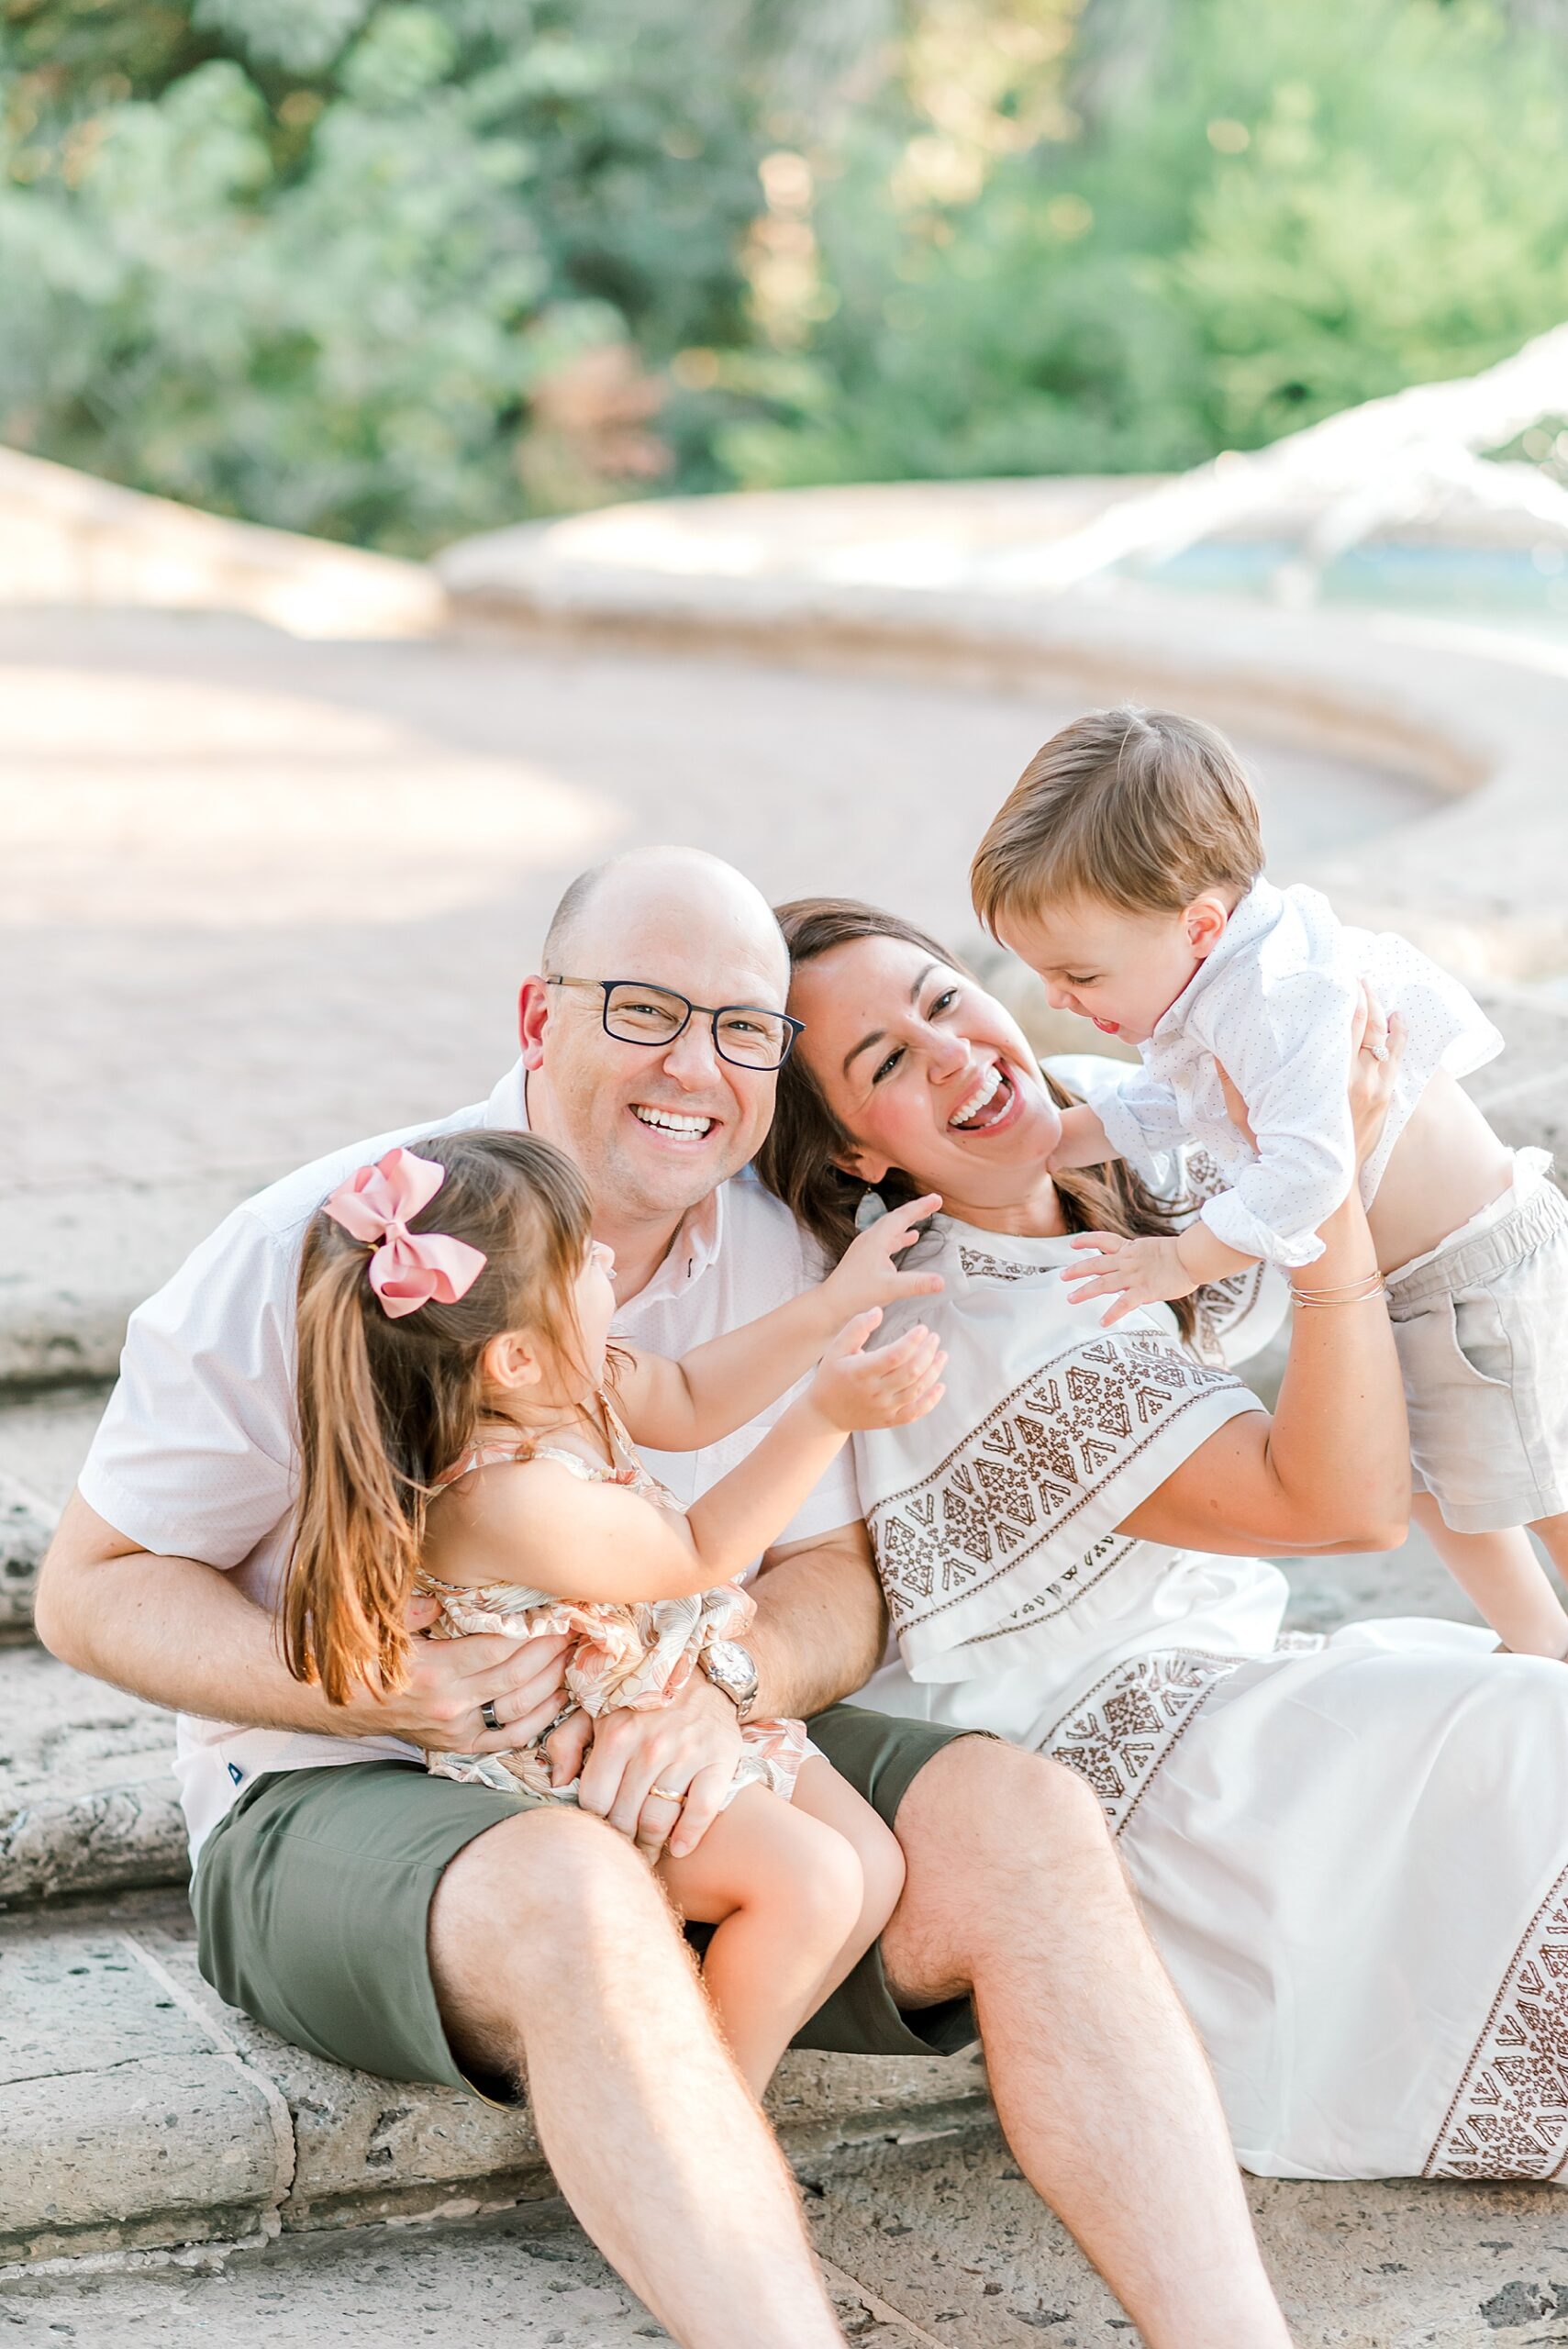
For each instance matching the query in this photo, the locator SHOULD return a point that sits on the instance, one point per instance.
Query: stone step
(76, 1257)
(527, 2276)
(44, 1437)
(87, 1797)
(139, 2111)
(173, 2175)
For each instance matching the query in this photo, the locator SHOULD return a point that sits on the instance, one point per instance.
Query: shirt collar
(701, 1233)
(1253, 917)
(506, 1111)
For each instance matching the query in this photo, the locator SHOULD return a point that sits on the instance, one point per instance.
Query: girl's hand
(1135, 1271)
(1378, 1047)
(853, 1389)
(866, 1274)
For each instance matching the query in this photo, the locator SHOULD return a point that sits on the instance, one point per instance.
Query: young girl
(457, 1437)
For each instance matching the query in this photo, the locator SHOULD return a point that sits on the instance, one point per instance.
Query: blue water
(1518, 591)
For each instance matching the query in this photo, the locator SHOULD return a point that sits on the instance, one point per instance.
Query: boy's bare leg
(1500, 1574)
(1015, 1889)
(555, 1957)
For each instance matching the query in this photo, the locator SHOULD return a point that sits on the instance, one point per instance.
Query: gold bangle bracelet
(1353, 1293)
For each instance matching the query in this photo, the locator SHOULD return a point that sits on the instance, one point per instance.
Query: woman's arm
(1330, 1470)
(1084, 1142)
(717, 1388)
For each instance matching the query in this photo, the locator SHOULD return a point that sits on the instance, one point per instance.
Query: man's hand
(1133, 1272)
(691, 1745)
(451, 1680)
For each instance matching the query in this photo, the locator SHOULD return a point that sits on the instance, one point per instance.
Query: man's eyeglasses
(742, 1034)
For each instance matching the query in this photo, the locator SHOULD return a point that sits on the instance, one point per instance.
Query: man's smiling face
(655, 1128)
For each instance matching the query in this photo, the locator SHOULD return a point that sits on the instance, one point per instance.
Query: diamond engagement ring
(1378, 1052)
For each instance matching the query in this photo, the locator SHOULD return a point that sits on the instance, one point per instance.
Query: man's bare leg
(555, 1957)
(1015, 1889)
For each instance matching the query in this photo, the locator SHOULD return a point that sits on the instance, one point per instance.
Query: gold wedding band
(667, 1794)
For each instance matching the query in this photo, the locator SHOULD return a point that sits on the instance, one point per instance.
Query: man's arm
(821, 1623)
(180, 1634)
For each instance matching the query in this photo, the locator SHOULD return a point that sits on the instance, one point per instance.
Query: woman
(1350, 1849)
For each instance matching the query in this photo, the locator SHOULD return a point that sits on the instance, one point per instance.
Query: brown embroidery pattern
(982, 1265)
(1032, 1466)
(1126, 1728)
(1064, 1592)
(1223, 1306)
(1509, 2118)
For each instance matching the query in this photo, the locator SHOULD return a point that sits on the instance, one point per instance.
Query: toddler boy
(1126, 868)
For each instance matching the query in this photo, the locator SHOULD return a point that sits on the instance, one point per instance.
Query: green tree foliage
(394, 269)
(1254, 215)
(312, 261)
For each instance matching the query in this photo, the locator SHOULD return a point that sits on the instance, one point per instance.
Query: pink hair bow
(408, 1268)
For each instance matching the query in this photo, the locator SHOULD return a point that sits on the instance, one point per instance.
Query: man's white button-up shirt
(195, 1456)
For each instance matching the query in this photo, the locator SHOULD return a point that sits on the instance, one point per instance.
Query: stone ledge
(152, 2114)
(78, 1258)
(26, 1524)
(68, 538)
(87, 1798)
(850, 579)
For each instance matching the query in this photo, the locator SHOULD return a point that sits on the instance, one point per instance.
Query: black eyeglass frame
(713, 1013)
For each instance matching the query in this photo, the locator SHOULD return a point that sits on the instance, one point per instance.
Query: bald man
(426, 1930)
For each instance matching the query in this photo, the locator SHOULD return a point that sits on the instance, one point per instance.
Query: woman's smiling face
(926, 1071)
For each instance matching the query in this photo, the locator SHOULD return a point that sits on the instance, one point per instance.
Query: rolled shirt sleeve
(1142, 1120)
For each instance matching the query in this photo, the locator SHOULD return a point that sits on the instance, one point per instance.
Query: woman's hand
(1378, 1047)
(902, 1382)
(866, 1274)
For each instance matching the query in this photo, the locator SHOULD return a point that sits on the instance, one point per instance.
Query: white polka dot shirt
(1273, 1005)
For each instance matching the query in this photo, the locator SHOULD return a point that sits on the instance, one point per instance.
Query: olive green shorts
(311, 1900)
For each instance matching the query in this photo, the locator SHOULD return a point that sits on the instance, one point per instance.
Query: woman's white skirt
(1354, 1856)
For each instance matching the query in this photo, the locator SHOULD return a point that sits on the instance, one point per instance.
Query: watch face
(731, 1667)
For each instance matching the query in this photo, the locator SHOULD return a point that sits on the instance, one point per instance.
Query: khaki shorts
(312, 1899)
(1482, 1333)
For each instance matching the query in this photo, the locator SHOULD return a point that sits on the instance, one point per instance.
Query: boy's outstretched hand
(898, 1383)
(868, 1272)
(1134, 1272)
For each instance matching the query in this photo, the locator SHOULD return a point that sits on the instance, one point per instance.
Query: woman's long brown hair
(384, 1406)
(801, 1161)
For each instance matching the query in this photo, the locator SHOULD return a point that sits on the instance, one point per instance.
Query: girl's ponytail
(390, 1383)
(360, 1522)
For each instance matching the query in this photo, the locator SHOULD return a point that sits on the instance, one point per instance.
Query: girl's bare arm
(534, 1521)
(681, 1406)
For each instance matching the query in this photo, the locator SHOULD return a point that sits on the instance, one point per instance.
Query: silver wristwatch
(730, 1666)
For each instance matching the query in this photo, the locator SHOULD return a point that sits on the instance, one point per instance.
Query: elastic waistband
(1474, 1262)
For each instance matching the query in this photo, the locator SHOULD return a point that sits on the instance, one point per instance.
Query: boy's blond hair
(1138, 808)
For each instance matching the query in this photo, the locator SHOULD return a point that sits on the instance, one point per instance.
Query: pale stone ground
(261, 894)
